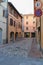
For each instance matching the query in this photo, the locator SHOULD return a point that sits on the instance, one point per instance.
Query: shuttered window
(11, 22)
(5, 13)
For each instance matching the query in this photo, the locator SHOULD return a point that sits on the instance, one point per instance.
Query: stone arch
(11, 36)
(16, 35)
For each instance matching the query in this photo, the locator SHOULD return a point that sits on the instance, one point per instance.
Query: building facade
(29, 25)
(39, 27)
(42, 27)
(14, 23)
(3, 21)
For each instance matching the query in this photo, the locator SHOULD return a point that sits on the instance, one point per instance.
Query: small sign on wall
(38, 4)
(38, 12)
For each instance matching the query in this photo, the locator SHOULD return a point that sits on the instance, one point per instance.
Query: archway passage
(0, 36)
(12, 36)
(16, 35)
(27, 34)
(33, 34)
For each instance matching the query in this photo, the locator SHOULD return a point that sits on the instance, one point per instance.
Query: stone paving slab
(17, 54)
(21, 48)
(19, 60)
(34, 52)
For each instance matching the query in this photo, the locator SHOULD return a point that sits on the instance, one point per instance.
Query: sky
(24, 6)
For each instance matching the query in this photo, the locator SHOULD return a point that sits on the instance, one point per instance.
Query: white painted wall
(3, 20)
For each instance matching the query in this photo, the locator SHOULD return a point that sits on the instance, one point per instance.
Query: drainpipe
(7, 24)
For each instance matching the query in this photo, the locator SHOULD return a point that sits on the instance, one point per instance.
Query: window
(16, 14)
(12, 11)
(26, 17)
(3, 13)
(14, 23)
(33, 21)
(11, 22)
(27, 22)
(34, 28)
(36, 0)
(26, 28)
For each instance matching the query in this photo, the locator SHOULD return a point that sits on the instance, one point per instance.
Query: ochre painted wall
(42, 31)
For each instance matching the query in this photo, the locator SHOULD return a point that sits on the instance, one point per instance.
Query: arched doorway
(33, 34)
(27, 34)
(12, 36)
(0, 36)
(20, 34)
(16, 35)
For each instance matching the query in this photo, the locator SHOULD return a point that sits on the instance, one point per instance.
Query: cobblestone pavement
(21, 48)
(34, 52)
(17, 53)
